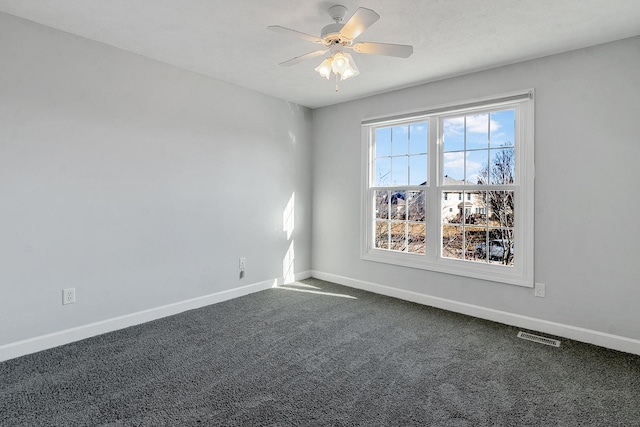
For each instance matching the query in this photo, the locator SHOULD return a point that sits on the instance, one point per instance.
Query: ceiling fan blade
(289, 31)
(399, 50)
(360, 21)
(304, 57)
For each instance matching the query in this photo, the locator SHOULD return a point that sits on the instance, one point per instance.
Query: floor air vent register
(538, 339)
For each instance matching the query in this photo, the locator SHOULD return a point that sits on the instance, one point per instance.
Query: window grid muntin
(488, 148)
(476, 214)
(463, 186)
(374, 182)
(375, 186)
(401, 216)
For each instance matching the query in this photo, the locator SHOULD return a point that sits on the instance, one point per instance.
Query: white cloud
(454, 160)
(403, 129)
(476, 124)
(454, 126)
(454, 164)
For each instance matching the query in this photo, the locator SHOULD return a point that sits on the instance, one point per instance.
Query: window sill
(490, 272)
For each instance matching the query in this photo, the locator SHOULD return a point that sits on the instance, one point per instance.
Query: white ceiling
(229, 40)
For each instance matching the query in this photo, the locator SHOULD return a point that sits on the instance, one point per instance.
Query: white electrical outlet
(243, 263)
(68, 296)
(540, 290)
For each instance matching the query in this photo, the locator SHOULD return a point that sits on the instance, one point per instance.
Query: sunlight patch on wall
(288, 222)
(288, 265)
(288, 225)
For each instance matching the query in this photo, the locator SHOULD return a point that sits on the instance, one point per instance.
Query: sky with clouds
(469, 143)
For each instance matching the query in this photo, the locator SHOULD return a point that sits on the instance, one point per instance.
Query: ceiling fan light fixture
(324, 69)
(350, 70)
(341, 64)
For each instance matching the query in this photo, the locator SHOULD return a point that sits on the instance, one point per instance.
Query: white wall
(587, 148)
(137, 183)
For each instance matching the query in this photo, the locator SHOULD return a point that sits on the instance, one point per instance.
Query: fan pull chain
(336, 82)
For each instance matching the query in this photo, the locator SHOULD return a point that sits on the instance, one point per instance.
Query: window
(400, 174)
(482, 151)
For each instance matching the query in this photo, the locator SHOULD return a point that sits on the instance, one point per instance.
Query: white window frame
(521, 273)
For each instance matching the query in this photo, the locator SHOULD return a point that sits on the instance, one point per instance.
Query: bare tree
(500, 204)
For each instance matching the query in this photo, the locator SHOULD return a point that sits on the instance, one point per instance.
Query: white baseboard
(32, 345)
(615, 342)
(304, 275)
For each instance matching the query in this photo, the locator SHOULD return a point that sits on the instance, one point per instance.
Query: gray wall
(587, 148)
(140, 185)
(137, 183)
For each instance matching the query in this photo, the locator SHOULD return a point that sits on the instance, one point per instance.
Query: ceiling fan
(338, 37)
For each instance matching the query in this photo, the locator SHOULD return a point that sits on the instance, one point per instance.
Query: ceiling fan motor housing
(338, 13)
(331, 33)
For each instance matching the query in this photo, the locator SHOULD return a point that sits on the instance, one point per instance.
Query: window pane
(500, 246)
(503, 128)
(453, 136)
(383, 172)
(382, 235)
(383, 142)
(502, 169)
(478, 215)
(398, 204)
(476, 165)
(450, 210)
(382, 204)
(477, 131)
(417, 238)
(452, 241)
(465, 208)
(475, 239)
(416, 203)
(400, 170)
(398, 236)
(400, 140)
(418, 170)
(500, 208)
(418, 138)
(453, 168)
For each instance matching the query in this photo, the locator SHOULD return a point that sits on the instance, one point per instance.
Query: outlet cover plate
(540, 290)
(68, 296)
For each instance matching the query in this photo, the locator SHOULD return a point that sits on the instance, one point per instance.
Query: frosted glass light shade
(341, 64)
(324, 69)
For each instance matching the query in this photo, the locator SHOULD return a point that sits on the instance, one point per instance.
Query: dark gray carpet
(283, 357)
